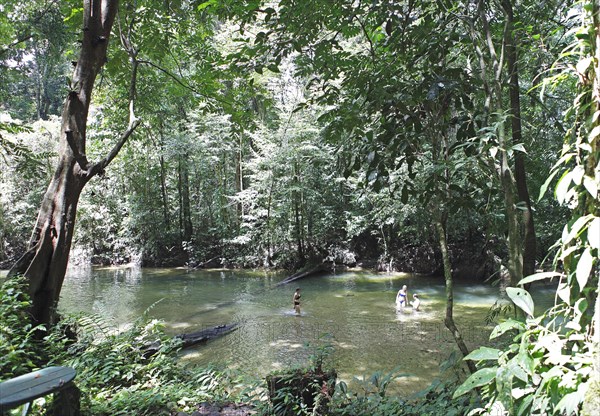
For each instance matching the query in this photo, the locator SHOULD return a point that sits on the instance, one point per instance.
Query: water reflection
(355, 309)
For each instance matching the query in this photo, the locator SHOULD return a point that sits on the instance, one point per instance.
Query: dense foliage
(18, 347)
(298, 149)
(551, 366)
(280, 133)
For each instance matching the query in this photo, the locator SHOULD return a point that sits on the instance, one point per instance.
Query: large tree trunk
(494, 105)
(529, 237)
(45, 262)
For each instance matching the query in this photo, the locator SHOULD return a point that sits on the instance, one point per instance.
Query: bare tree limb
(99, 167)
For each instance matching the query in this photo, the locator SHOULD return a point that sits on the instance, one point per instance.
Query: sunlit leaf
(544, 187)
(584, 267)
(594, 133)
(539, 276)
(479, 378)
(521, 298)
(206, 4)
(569, 404)
(562, 187)
(505, 326)
(591, 185)
(519, 148)
(484, 353)
(564, 292)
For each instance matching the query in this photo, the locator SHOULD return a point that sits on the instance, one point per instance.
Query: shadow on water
(355, 309)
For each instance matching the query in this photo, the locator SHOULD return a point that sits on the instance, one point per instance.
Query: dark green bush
(19, 350)
(118, 375)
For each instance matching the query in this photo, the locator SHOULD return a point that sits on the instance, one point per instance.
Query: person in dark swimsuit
(296, 300)
(401, 297)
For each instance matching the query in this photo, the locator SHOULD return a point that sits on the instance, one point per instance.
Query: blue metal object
(28, 387)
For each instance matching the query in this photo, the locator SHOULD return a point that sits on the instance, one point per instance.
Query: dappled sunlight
(191, 355)
(275, 365)
(345, 345)
(180, 325)
(285, 343)
(356, 310)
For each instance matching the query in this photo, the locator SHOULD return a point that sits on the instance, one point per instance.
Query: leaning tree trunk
(45, 263)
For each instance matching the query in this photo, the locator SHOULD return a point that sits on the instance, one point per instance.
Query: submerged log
(194, 338)
(204, 335)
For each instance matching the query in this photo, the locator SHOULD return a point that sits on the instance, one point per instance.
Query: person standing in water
(296, 300)
(401, 297)
(415, 302)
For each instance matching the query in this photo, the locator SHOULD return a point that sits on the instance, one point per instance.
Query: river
(353, 311)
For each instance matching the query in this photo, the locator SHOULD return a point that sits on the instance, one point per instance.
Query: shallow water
(355, 310)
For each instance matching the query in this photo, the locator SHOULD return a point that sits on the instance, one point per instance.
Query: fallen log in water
(305, 272)
(204, 335)
(194, 338)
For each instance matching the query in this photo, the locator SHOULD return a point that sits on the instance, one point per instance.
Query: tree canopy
(412, 135)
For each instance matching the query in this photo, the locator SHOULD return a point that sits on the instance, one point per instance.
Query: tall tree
(520, 173)
(46, 260)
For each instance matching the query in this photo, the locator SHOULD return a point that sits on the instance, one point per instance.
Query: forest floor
(226, 409)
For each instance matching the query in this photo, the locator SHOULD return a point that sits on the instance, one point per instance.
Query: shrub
(118, 375)
(19, 350)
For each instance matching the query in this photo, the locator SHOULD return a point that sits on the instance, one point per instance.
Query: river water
(354, 312)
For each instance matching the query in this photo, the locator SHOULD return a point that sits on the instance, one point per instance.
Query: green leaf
(477, 379)
(74, 12)
(521, 298)
(569, 404)
(483, 353)
(506, 326)
(581, 305)
(562, 187)
(273, 68)
(516, 370)
(544, 187)
(538, 276)
(404, 196)
(584, 268)
(525, 405)
(206, 4)
(519, 148)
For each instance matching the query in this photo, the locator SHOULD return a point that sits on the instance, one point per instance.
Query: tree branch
(98, 168)
(15, 43)
(183, 84)
(80, 158)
